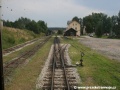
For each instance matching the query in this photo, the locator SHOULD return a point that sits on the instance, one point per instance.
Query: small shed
(70, 32)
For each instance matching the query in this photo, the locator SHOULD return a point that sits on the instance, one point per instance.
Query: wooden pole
(1, 58)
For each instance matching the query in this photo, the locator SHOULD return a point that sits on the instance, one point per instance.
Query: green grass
(98, 70)
(25, 77)
(12, 36)
(20, 52)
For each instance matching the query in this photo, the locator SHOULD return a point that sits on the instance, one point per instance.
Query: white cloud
(54, 12)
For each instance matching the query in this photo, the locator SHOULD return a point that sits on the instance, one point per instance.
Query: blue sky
(56, 13)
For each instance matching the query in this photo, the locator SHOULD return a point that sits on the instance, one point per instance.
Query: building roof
(70, 32)
(70, 29)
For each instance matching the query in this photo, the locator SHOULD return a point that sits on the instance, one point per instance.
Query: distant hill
(13, 36)
(56, 28)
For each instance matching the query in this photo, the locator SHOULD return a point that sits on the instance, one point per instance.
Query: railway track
(9, 67)
(17, 47)
(59, 76)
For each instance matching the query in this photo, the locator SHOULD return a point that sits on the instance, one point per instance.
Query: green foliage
(11, 40)
(75, 19)
(99, 29)
(60, 32)
(33, 26)
(114, 23)
(7, 39)
(11, 36)
(21, 40)
(25, 23)
(21, 23)
(42, 26)
(115, 32)
(117, 26)
(92, 23)
(109, 25)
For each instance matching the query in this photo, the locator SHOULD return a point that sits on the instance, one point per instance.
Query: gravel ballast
(40, 79)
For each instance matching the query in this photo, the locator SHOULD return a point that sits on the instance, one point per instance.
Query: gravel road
(108, 47)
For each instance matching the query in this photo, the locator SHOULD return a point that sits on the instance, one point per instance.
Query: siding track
(9, 67)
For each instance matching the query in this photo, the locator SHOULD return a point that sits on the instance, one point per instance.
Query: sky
(56, 13)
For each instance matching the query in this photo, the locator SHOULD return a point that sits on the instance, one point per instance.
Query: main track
(59, 76)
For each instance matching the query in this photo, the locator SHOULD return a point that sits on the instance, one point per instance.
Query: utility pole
(1, 58)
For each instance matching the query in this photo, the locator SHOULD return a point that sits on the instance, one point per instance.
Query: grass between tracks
(25, 77)
(98, 70)
(20, 52)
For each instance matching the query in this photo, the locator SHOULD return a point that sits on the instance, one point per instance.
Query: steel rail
(8, 50)
(53, 64)
(60, 51)
(22, 58)
(63, 65)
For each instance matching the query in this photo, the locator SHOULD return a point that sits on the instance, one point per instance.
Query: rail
(63, 65)
(11, 49)
(58, 54)
(8, 67)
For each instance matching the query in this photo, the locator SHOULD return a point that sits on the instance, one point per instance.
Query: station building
(73, 29)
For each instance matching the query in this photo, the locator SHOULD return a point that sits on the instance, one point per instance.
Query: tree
(42, 26)
(60, 32)
(88, 22)
(114, 24)
(108, 25)
(92, 23)
(99, 28)
(81, 25)
(21, 23)
(75, 19)
(25, 23)
(33, 27)
(7, 23)
(118, 25)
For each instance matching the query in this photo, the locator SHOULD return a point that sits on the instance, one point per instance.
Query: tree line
(26, 23)
(100, 24)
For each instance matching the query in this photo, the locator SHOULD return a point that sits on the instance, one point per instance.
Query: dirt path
(108, 47)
